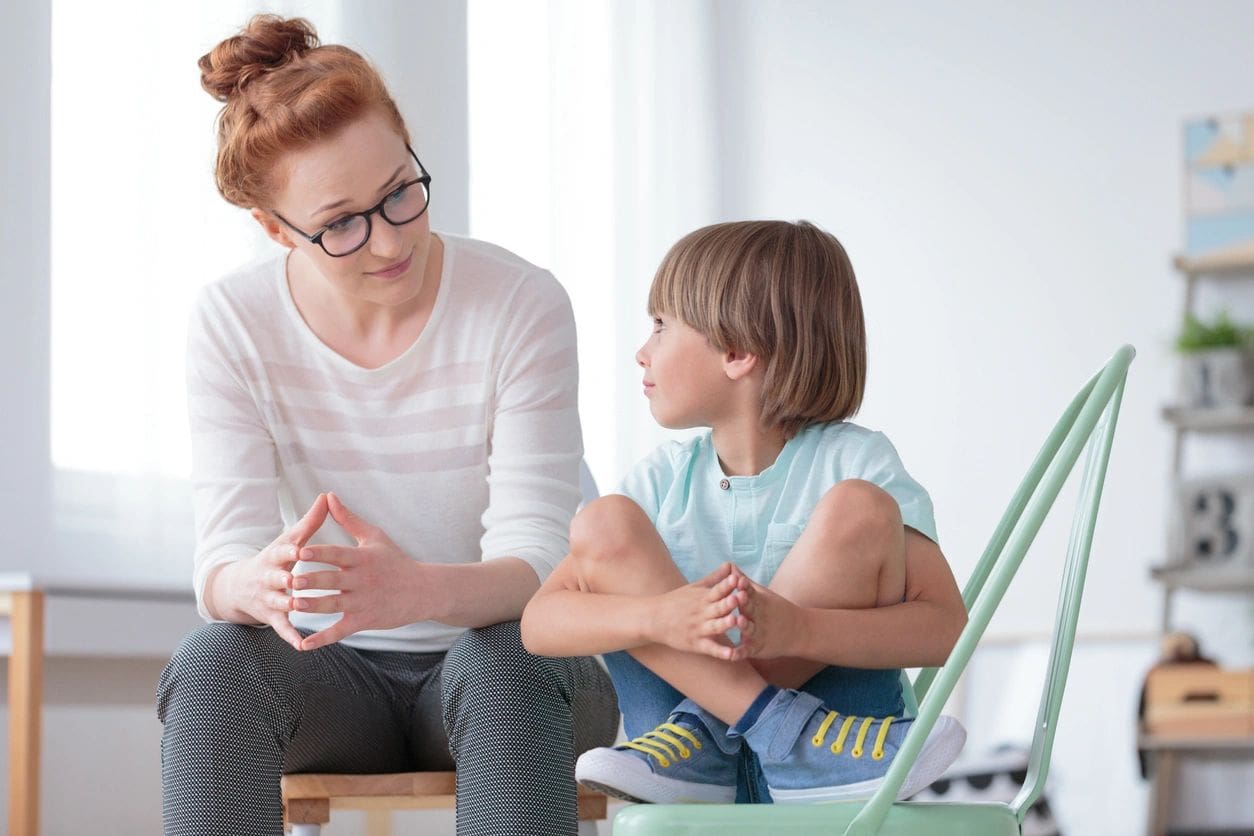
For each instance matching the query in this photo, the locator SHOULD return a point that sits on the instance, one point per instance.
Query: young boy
(784, 522)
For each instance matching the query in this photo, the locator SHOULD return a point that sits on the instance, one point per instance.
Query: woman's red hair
(283, 91)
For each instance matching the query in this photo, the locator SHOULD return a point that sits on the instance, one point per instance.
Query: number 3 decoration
(1215, 521)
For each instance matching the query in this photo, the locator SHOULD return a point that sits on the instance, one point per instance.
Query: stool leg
(307, 815)
(1160, 792)
(378, 823)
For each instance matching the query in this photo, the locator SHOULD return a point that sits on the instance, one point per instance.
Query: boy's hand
(769, 623)
(695, 617)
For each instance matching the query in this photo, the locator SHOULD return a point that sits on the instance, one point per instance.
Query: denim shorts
(646, 700)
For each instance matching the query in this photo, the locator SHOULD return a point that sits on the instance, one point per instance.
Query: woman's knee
(489, 667)
(490, 682)
(491, 657)
(217, 661)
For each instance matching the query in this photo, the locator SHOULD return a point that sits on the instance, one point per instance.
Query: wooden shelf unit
(1168, 750)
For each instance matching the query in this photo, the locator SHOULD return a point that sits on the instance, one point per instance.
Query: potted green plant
(1215, 367)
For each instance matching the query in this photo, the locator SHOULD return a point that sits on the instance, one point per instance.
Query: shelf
(1173, 743)
(1210, 419)
(1226, 579)
(1230, 265)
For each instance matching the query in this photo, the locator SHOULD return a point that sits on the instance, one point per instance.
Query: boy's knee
(606, 528)
(857, 510)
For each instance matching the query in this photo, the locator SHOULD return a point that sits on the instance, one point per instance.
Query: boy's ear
(739, 364)
(273, 229)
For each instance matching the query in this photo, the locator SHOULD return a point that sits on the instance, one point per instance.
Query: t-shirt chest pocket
(780, 538)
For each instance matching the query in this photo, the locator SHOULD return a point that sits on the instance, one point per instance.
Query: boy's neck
(746, 449)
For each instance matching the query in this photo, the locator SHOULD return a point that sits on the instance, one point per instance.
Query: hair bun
(266, 43)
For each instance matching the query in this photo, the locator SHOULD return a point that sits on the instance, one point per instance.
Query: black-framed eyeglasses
(345, 236)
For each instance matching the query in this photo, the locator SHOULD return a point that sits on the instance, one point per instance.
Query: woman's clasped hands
(373, 583)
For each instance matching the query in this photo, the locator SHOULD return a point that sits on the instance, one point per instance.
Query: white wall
(1007, 179)
(24, 173)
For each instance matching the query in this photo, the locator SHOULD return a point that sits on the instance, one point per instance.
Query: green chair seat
(904, 819)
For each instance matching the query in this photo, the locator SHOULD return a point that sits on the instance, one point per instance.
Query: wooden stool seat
(308, 799)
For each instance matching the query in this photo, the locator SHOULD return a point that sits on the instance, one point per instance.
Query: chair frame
(1088, 422)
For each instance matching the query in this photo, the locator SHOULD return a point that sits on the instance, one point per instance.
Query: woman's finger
(320, 603)
(331, 579)
(279, 601)
(341, 556)
(307, 525)
(285, 630)
(279, 579)
(280, 555)
(357, 528)
(339, 630)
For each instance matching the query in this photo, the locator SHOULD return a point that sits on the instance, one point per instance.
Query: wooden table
(25, 611)
(1166, 752)
(22, 602)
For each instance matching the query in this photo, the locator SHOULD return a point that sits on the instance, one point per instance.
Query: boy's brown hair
(785, 292)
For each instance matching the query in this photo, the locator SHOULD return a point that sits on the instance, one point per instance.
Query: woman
(404, 402)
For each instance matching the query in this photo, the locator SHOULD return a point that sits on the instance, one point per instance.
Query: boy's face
(684, 377)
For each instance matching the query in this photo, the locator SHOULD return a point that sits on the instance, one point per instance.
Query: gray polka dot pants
(240, 708)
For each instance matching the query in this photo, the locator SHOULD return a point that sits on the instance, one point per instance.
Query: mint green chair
(1089, 422)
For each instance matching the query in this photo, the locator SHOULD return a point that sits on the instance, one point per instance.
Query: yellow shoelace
(662, 744)
(859, 741)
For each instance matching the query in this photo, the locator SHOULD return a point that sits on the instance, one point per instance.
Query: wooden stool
(309, 799)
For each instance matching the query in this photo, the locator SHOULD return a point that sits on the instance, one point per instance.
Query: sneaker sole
(634, 781)
(939, 751)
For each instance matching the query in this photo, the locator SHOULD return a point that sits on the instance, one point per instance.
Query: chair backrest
(1088, 422)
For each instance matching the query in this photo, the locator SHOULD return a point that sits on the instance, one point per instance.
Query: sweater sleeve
(535, 441)
(234, 465)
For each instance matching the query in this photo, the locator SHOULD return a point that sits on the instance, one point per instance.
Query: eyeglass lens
(402, 206)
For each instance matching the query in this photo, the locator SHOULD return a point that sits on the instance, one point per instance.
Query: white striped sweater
(464, 448)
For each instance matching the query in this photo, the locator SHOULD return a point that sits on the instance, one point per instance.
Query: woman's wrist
(218, 598)
(425, 592)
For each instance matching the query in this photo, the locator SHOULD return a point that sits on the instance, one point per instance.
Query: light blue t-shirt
(706, 517)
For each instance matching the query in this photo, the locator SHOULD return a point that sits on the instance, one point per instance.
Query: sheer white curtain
(137, 228)
(593, 137)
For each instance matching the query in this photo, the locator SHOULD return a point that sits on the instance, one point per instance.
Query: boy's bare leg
(616, 550)
(851, 555)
